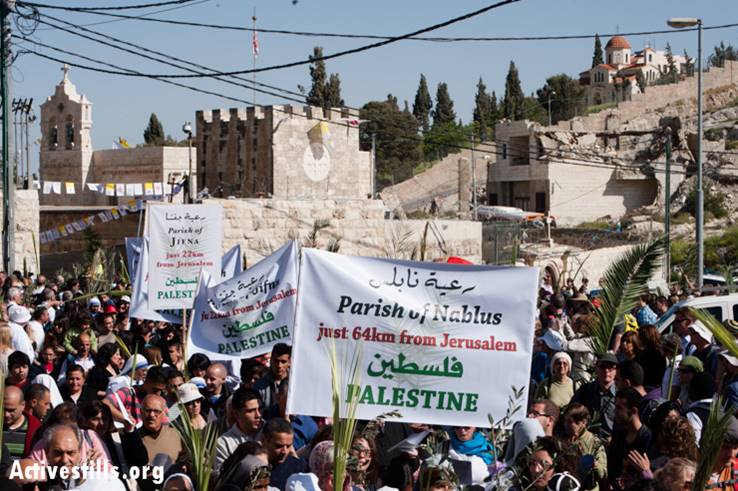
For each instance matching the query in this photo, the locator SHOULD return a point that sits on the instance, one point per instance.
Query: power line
(120, 7)
(349, 51)
(199, 2)
(445, 39)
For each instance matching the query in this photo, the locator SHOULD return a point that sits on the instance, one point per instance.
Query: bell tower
(66, 140)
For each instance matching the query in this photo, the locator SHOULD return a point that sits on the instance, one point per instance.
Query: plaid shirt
(132, 399)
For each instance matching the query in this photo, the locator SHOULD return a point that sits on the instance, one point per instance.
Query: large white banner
(248, 314)
(440, 343)
(231, 264)
(183, 239)
(140, 308)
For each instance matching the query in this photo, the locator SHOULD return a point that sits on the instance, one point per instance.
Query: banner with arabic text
(439, 343)
(140, 308)
(248, 314)
(183, 239)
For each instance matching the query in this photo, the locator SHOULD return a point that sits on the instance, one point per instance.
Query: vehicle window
(717, 312)
(735, 311)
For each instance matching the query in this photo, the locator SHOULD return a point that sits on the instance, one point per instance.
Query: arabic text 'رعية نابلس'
(409, 279)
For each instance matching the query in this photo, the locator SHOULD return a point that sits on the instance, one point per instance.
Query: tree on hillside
(533, 110)
(721, 54)
(332, 93)
(670, 72)
(566, 97)
(689, 64)
(398, 149)
(423, 104)
(494, 113)
(597, 57)
(512, 105)
(444, 111)
(641, 81)
(482, 111)
(316, 96)
(154, 132)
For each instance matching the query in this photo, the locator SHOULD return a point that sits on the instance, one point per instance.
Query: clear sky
(122, 105)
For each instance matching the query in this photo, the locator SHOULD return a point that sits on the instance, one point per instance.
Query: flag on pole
(255, 44)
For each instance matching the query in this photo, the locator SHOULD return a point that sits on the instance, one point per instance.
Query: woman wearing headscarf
(559, 387)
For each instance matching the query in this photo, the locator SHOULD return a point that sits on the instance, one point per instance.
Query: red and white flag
(354, 122)
(255, 44)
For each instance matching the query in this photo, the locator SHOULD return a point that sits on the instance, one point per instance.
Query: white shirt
(86, 363)
(37, 334)
(20, 341)
(695, 420)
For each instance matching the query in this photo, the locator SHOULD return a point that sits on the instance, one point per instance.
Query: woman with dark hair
(629, 346)
(198, 364)
(107, 364)
(365, 471)
(675, 439)
(126, 449)
(650, 356)
(74, 389)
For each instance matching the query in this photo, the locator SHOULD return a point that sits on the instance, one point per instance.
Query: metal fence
(500, 242)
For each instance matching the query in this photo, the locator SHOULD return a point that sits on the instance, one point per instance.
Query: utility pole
(553, 92)
(8, 187)
(29, 118)
(700, 192)
(474, 180)
(374, 165)
(667, 205)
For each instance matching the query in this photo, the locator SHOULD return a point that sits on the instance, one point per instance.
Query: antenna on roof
(617, 28)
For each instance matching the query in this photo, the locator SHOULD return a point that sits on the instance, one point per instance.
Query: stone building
(283, 152)
(67, 154)
(617, 78)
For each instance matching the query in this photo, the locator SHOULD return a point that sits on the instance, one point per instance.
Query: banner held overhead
(440, 343)
(184, 239)
(248, 314)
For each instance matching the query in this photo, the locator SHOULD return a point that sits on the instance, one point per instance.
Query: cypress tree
(444, 111)
(154, 132)
(482, 110)
(316, 96)
(332, 93)
(513, 106)
(423, 104)
(597, 57)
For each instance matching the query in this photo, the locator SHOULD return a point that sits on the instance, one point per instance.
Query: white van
(722, 307)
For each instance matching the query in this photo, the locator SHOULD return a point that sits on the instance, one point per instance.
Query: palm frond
(713, 435)
(722, 335)
(623, 282)
(344, 411)
(199, 446)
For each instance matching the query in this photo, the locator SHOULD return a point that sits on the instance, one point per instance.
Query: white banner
(248, 314)
(133, 254)
(231, 264)
(183, 240)
(440, 343)
(140, 308)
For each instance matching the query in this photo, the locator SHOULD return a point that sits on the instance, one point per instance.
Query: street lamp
(681, 23)
(187, 129)
(553, 92)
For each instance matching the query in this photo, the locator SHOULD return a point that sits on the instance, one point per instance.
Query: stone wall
(682, 94)
(25, 246)
(263, 225)
(283, 152)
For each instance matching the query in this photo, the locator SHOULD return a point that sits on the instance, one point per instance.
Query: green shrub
(714, 203)
(731, 145)
(681, 218)
(596, 225)
(680, 252)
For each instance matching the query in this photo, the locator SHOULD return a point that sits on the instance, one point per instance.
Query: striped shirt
(16, 440)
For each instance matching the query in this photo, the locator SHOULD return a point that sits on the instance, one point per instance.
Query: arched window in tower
(53, 135)
(69, 128)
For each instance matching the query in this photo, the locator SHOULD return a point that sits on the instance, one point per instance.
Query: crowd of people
(86, 383)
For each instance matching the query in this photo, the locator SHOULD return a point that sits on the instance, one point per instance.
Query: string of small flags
(154, 188)
(115, 213)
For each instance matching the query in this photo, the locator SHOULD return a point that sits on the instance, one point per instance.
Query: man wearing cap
(124, 304)
(688, 368)
(599, 395)
(705, 350)
(551, 342)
